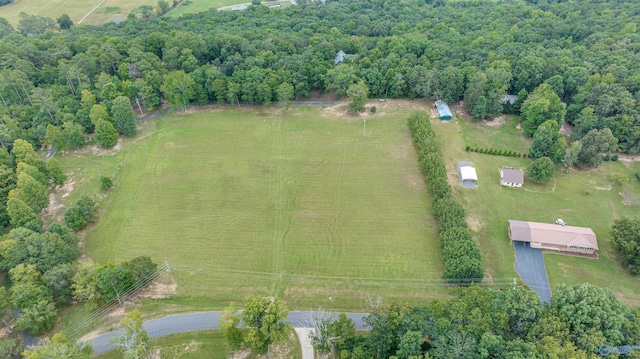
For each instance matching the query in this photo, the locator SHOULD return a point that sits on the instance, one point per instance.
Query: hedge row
(461, 256)
(496, 152)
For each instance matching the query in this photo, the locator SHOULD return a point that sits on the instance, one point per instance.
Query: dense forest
(59, 83)
(577, 60)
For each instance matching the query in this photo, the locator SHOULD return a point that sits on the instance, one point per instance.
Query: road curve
(202, 321)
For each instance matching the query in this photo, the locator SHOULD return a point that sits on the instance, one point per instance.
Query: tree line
(460, 254)
(580, 322)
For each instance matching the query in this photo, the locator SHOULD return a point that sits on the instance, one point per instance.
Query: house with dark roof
(443, 110)
(511, 177)
(555, 237)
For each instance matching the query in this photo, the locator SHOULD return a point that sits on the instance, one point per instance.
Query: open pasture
(297, 204)
(107, 10)
(584, 198)
(196, 6)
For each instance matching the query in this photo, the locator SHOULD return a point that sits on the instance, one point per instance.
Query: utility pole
(166, 264)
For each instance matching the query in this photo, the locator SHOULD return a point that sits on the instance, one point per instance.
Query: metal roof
(443, 109)
(512, 176)
(468, 173)
(554, 234)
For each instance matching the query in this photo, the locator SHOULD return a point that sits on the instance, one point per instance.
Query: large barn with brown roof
(555, 237)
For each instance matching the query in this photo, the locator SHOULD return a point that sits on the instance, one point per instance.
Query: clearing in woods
(109, 10)
(296, 204)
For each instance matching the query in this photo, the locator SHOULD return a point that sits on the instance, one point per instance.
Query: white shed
(468, 173)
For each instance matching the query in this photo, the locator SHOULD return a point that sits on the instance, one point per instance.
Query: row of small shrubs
(609, 157)
(461, 256)
(495, 152)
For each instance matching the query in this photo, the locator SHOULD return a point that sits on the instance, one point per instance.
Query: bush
(614, 157)
(373, 109)
(618, 179)
(81, 214)
(637, 176)
(606, 157)
(467, 148)
(106, 183)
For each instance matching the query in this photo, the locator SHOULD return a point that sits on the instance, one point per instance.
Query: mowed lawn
(581, 198)
(76, 9)
(296, 204)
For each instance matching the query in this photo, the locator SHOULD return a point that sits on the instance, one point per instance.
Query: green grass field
(195, 6)
(296, 204)
(584, 198)
(205, 344)
(76, 9)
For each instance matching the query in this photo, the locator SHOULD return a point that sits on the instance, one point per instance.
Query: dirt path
(90, 11)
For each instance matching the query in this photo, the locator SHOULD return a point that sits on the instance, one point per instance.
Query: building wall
(509, 184)
(567, 249)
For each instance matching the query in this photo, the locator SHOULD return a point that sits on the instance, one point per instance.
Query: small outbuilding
(555, 237)
(511, 177)
(443, 110)
(468, 174)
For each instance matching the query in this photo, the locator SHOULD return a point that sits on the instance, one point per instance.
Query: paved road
(201, 321)
(530, 266)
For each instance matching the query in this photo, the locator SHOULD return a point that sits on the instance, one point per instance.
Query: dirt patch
(55, 206)
(241, 354)
(625, 157)
(475, 224)
(607, 188)
(106, 151)
(566, 129)
(155, 354)
(628, 197)
(452, 175)
(157, 290)
(496, 122)
(566, 210)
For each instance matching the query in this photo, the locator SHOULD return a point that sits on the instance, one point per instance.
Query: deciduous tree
(133, 340)
(625, 237)
(543, 104)
(20, 213)
(59, 347)
(593, 144)
(358, 94)
(264, 317)
(178, 88)
(549, 142)
(541, 170)
(55, 172)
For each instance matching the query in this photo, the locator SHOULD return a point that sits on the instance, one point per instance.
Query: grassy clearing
(196, 6)
(296, 204)
(581, 198)
(76, 9)
(208, 344)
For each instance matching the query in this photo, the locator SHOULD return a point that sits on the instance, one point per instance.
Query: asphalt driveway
(530, 266)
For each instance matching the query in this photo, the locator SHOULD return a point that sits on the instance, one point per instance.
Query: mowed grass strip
(581, 198)
(294, 204)
(76, 9)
